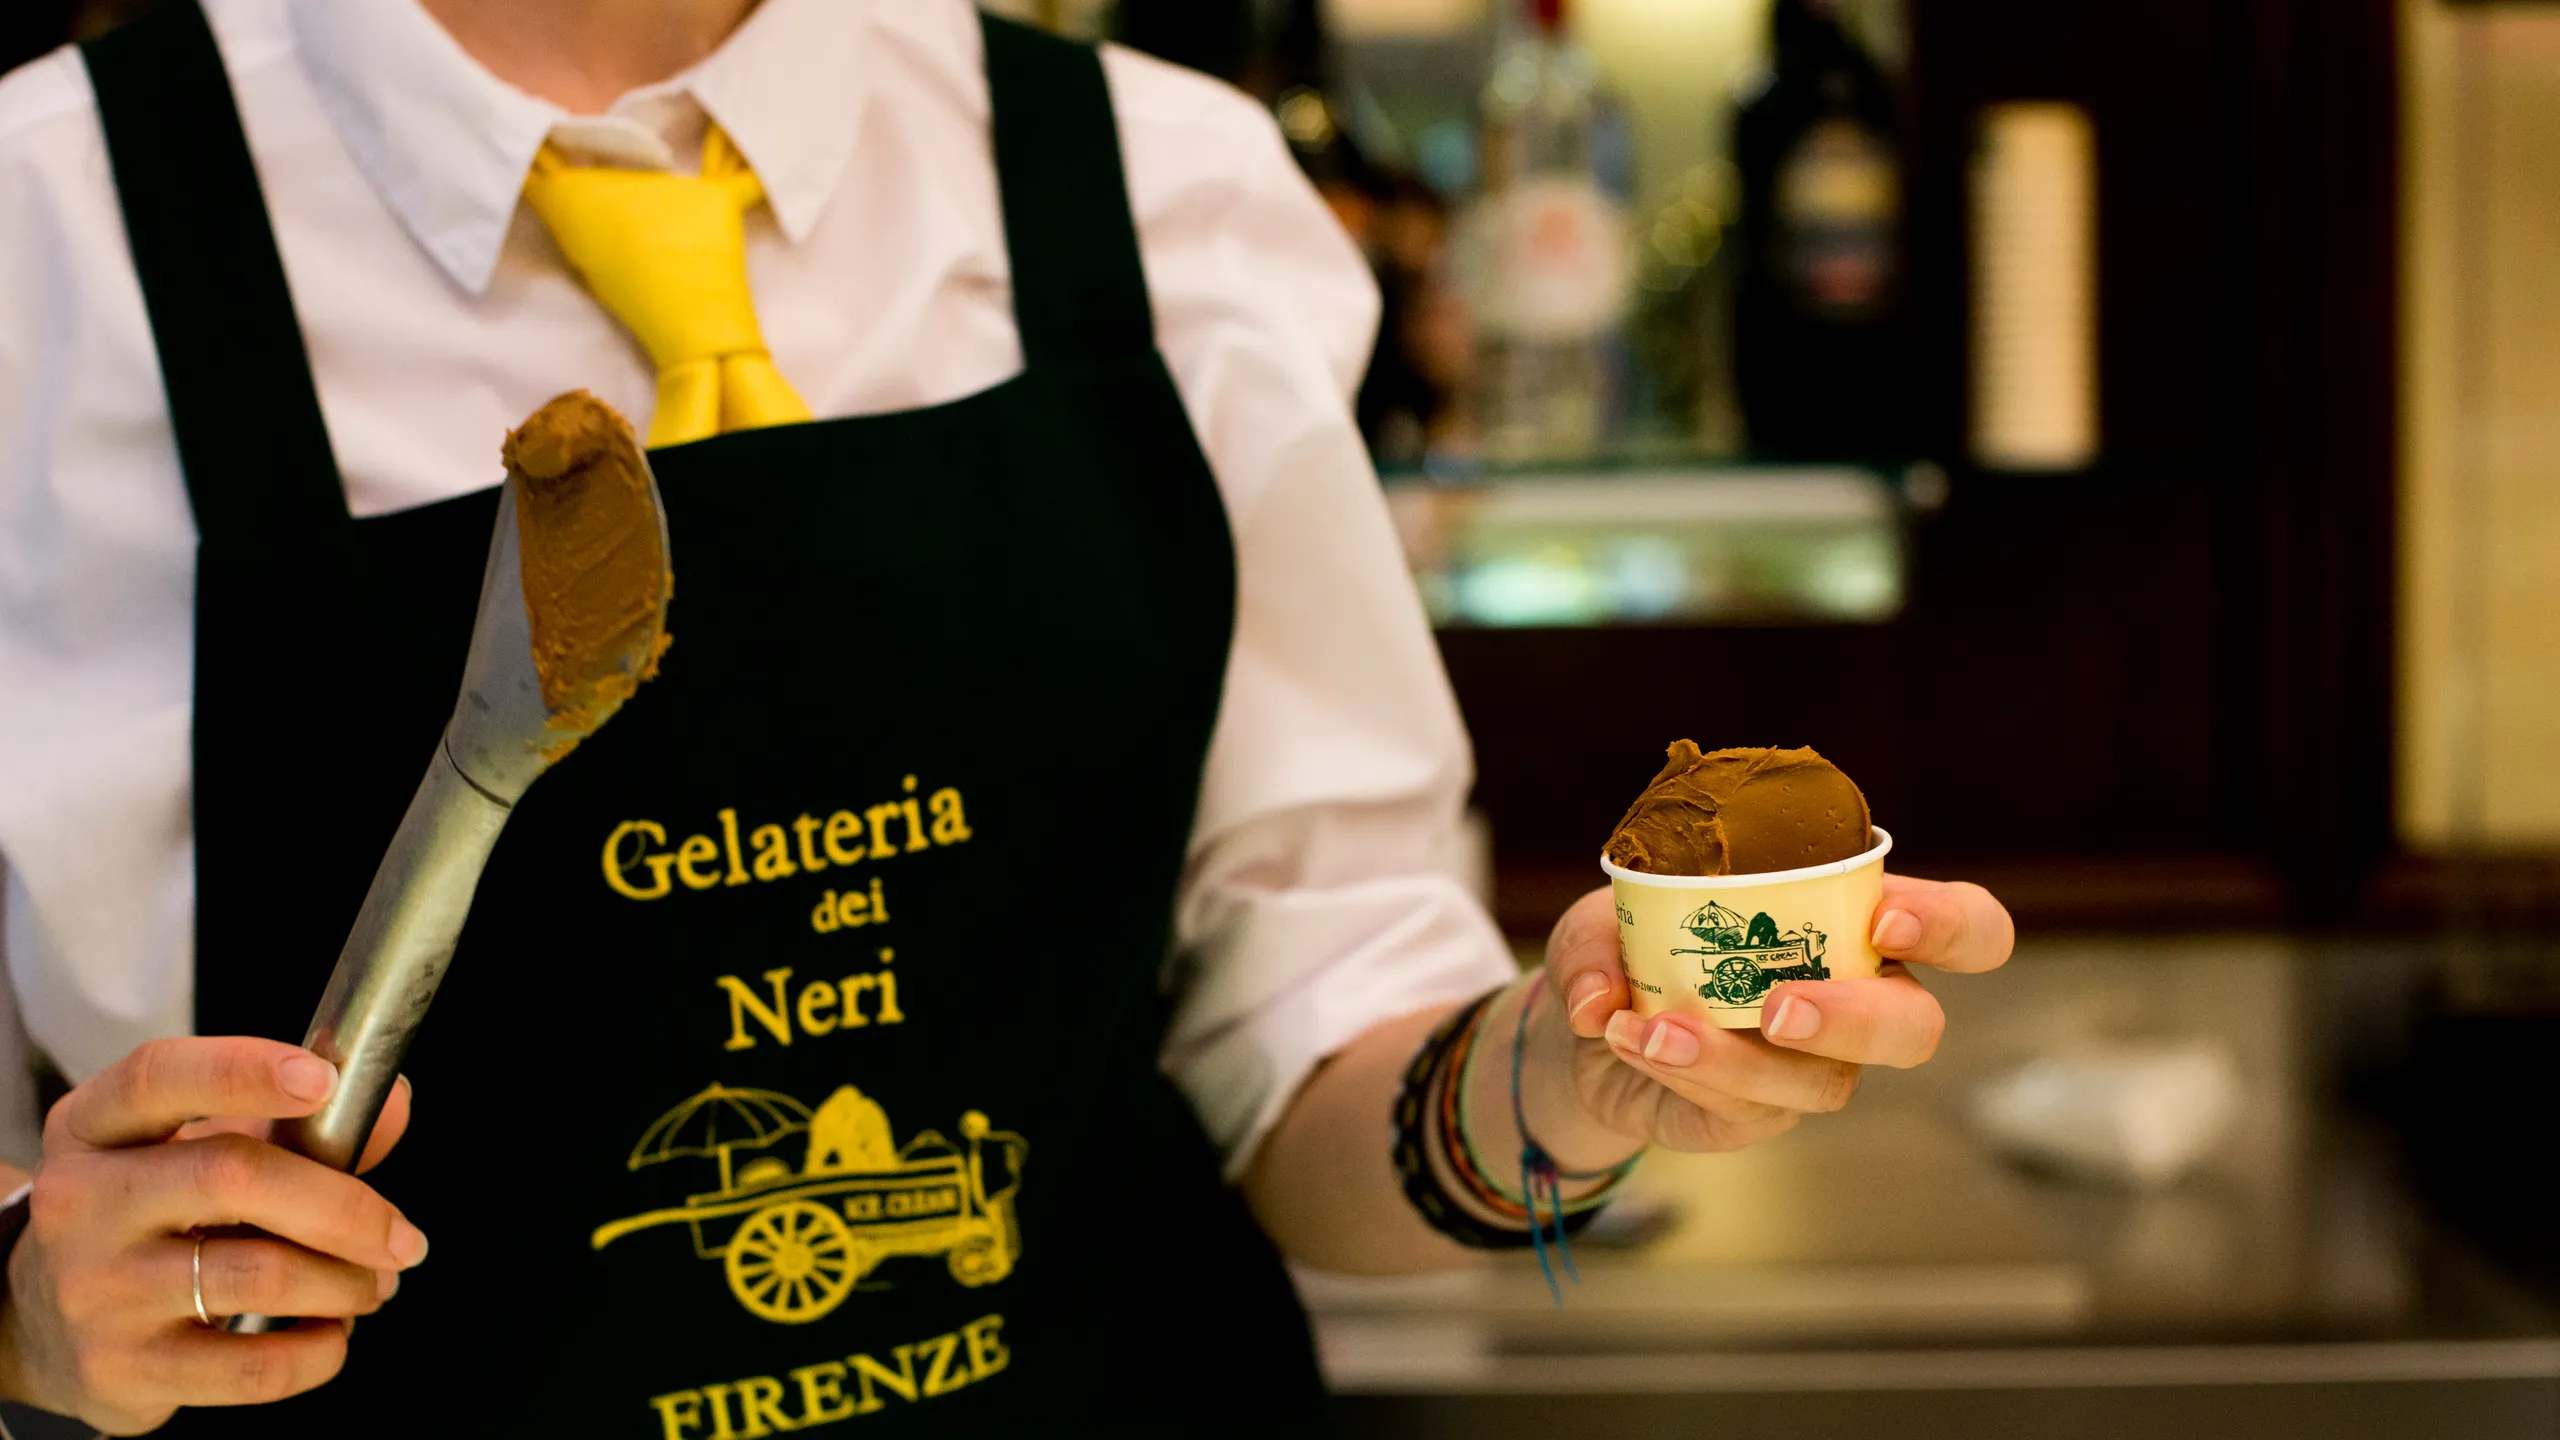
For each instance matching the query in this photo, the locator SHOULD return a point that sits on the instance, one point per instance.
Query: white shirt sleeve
(1312, 908)
(97, 579)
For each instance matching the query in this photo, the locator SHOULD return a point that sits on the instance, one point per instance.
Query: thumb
(1584, 966)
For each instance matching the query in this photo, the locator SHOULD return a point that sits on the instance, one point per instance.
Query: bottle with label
(1819, 333)
(1544, 252)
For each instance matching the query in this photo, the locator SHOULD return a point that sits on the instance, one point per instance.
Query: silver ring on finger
(195, 1285)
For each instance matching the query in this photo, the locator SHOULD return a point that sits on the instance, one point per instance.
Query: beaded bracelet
(1422, 1188)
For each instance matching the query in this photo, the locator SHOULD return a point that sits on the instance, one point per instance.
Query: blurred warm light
(1698, 44)
(1393, 19)
(2479, 686)
(1675, 63)
(2035, 343)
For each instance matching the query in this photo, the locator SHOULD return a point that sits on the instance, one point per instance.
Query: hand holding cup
(1680, 1081)
(1749, 957)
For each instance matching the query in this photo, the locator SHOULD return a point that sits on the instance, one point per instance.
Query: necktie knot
(667, 256)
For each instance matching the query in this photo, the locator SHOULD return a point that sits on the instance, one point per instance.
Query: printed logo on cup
(1742, 958)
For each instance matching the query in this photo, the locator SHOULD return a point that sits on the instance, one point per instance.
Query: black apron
(799, 1061)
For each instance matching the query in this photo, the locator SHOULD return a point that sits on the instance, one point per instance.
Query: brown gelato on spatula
(1741, 812)
(594, 558)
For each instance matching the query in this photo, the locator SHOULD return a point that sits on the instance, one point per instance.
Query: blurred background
(2125, 435)
(2121, 433)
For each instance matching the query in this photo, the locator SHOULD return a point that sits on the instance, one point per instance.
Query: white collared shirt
(438, 314)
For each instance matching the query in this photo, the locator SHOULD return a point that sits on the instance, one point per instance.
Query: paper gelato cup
(1712, 945)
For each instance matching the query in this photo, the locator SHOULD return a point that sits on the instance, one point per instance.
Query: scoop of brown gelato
(1741, 812)
(595, 560)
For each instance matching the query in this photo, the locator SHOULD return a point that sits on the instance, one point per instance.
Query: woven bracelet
(1429, 1107)
(1414, 1118)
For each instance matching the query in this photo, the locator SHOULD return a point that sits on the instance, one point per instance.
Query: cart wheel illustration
(1738, 981)
(792, 1262)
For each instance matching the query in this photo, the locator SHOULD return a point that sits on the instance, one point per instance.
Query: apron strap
(250, 437)
(273, 539)
(1078, 288)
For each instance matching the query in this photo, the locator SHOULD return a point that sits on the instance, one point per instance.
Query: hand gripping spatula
(572, 618)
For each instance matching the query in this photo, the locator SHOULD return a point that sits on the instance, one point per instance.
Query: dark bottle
(1314, 97)
(1819, 331)
(1281, 52)
(1214, 36)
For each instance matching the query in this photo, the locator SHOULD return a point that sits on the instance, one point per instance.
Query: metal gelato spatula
(572, 619)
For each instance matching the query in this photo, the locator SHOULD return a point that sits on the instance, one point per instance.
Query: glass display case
(1697, 545)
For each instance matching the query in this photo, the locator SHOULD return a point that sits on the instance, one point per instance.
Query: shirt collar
(789, 88)
(448, 144)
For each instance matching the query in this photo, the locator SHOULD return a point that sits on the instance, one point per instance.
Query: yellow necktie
(667, 255)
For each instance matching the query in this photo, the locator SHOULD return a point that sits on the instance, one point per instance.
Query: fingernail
(307, 1077)
(1896, 930)
(1625, 1031)
(386, 1283)
(1794, 1019)
(408, 1243)
(1671, 1045)
(1586, 992)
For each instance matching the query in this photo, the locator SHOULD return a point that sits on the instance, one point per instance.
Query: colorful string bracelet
(1539, 1171)
(1431, 1114)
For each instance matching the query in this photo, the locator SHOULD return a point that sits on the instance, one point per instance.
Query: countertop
(1881, 1263)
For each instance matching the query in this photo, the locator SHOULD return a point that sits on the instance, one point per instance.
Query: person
(1038, 623)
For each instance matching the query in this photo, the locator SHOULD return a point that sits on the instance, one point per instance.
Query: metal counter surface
(1882, 1254)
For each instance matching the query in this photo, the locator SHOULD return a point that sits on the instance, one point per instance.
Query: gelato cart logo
(1742, 959)
(794, 1240)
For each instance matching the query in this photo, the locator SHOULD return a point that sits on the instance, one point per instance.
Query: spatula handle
(394, 958)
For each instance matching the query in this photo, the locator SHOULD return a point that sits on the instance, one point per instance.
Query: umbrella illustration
(718, 1120)
(1716, 925)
